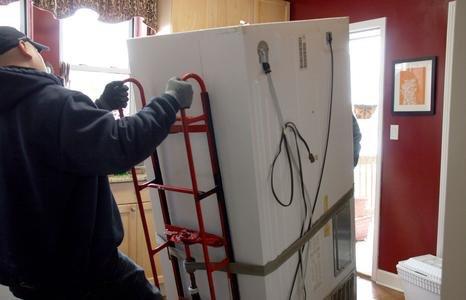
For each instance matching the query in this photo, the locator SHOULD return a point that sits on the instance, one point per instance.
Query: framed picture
(414, 86)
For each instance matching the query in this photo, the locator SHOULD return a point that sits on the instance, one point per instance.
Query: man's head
(16, 49)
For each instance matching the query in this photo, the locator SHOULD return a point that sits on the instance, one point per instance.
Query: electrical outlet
(394, 132)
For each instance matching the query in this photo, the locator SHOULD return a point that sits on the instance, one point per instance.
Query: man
(357, 136)
(59, 224)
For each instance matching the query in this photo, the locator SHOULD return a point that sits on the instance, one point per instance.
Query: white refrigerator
(312, 85)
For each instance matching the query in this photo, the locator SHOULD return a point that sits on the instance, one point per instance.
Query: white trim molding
(24, 21)
(111, 70)
(388, 279)
(379, 23)
(454, 247)
(445, 125)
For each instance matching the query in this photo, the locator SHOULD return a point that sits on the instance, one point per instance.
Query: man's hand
(181, 91)
(115, 96)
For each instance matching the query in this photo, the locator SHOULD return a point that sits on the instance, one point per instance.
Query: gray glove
(181, 90)
(115, 96)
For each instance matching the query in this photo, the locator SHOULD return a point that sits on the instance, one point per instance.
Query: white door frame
(362, 26)
(445, 125)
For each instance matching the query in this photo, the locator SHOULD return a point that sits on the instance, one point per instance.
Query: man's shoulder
(61, 91)
(59, 94)
(52, 101)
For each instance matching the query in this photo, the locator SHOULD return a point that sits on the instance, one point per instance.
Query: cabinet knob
(133, 209)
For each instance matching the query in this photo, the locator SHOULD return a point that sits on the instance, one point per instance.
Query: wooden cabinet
(236, 11)
(272, 11)
(128, 218)
(186, 15)
(141, 255)
(134, 242)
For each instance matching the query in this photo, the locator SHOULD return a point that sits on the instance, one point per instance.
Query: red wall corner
(411, 165)
(46, 30)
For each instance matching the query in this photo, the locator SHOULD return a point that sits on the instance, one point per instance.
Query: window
(95, 51)
(13, 15)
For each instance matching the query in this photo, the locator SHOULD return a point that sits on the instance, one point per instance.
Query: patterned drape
(111, 11)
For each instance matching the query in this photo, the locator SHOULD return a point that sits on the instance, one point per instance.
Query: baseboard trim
(389, 280)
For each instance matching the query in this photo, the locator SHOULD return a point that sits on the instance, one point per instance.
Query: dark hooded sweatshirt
(59, 222)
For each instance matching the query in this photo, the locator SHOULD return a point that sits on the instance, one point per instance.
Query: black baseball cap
(10, 38)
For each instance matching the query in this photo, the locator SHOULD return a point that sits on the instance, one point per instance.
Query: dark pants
(124, 280)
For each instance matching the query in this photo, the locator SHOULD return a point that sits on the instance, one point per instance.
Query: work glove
(115, 96)
(181, 91)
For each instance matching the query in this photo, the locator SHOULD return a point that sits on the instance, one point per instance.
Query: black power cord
(329, 39)
(290, 126)
(284, 141)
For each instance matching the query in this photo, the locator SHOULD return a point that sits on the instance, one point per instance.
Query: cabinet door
(221, 13)
(200, 14)
(142, 256)
(124, 193)
(272, 11)
(240, 10)
(129, 220)
(189, 15)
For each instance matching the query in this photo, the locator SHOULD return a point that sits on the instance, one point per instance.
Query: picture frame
(414, 86)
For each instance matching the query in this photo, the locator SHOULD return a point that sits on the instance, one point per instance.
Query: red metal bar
(200, 218)
(203, 195)
(145, 228)
(191, 128)
(166, 220)
(160, 248)
(189, 153)
(217, 179)
(143, 218)
(220, 194)
(220, 265)
(191, 120)
(187, 126)
(164, 206)
(171, 188)
(140, 88)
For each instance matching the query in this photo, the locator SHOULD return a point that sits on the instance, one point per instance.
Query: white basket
(424, 272)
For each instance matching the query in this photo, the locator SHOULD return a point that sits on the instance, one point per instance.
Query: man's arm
(91, 141)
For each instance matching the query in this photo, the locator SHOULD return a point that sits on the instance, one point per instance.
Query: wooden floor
(368, 290)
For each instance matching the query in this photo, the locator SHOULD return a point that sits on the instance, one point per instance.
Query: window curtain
(110, 11)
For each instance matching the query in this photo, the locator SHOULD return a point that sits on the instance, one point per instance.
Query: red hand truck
(180, 235)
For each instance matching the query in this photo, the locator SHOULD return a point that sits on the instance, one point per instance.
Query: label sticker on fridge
(316, 263)
(302, 52)
(327, 227)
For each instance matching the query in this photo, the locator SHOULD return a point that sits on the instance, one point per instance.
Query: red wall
(411, 165)
(46, 30)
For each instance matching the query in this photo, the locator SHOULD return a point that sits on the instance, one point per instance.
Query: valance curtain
(111, 11)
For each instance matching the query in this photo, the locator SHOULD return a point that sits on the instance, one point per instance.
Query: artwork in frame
(414, 86)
